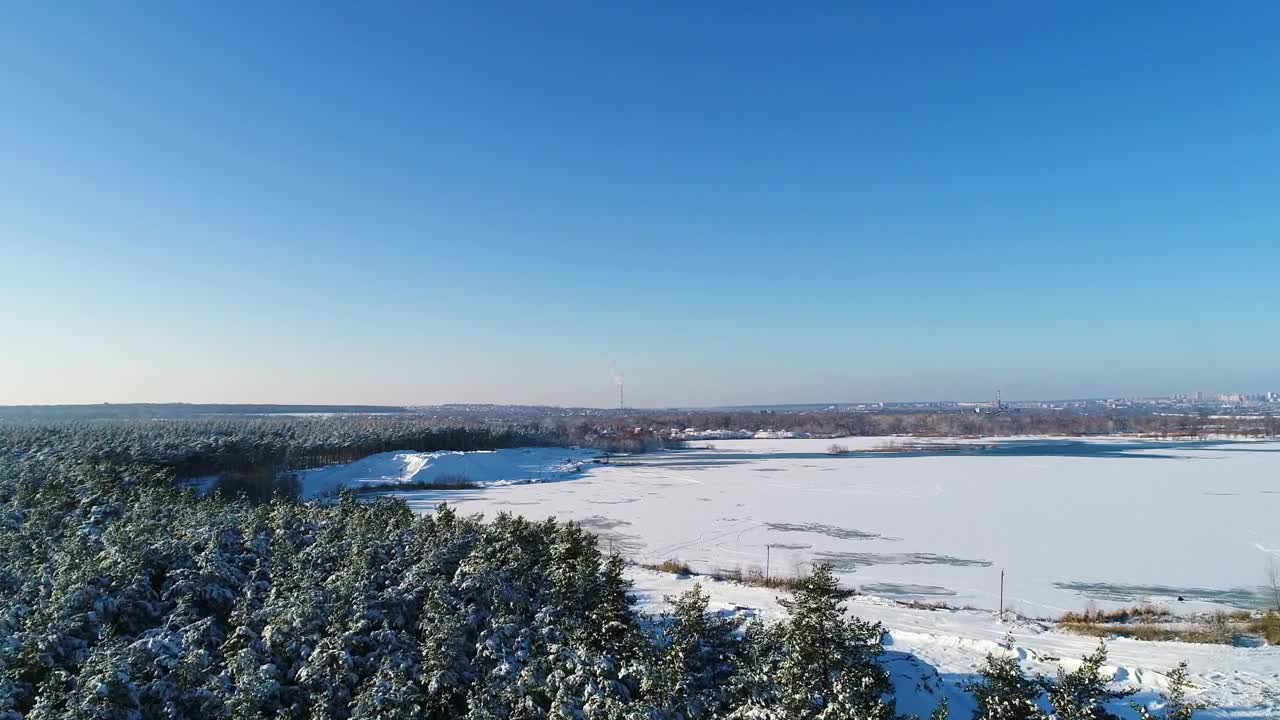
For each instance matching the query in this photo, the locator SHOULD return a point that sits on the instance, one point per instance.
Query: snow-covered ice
(1071, 522)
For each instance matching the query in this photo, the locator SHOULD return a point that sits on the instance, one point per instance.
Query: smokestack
(617, 380)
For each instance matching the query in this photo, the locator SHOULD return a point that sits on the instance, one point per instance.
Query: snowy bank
(931, 653)
(401, 467)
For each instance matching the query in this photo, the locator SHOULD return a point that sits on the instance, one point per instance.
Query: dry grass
(675, 567)
(750, 577)
(1207, 634)
(1135, 614)
(759, 579)
(1268, 626)
(1223, 628)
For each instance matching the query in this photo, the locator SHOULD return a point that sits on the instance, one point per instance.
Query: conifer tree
(825, 665)
(693, 673)
(1177, 706)
(107, 689)
(392, 694)
(1002, 691)
(1082, 694)
(754, 689)
(447, 648)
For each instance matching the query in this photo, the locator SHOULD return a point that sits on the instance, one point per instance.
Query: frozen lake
(1071, 522)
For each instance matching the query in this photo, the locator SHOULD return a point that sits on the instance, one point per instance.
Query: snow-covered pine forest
(122, 596)
(255, 455)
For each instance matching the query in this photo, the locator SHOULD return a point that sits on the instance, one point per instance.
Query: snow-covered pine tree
(754, 690)
(250, 687)
(1177, 706)
(502, 574)
(447, 648)
(1082, 694)
(202, 692)
(598, 674)
(693, 674)
(1002, 691)
(329, 677)
(392, 694)
(610, 626)
(106, 689)
(826, 665)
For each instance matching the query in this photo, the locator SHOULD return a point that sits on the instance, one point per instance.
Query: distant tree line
(174, 411)
(256, 455)
(959, 424)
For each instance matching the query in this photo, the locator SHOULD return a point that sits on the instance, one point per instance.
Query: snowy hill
(402, 467)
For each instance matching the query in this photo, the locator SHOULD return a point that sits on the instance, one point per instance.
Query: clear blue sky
(731, 203)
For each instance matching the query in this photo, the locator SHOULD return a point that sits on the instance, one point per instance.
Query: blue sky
(731, 203)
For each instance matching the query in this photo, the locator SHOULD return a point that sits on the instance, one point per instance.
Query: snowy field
(1073, 523)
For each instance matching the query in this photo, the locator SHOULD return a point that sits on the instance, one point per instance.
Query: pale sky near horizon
(731, 203)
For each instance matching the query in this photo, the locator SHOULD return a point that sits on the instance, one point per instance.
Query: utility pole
(1002, 595)
(767, 553)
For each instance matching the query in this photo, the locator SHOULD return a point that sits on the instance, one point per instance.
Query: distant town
(1200, 403)
(1203, 405)
(1261, 404)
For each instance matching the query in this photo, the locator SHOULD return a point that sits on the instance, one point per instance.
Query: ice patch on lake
(828, 530)
(850, 561)
(906, 590)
